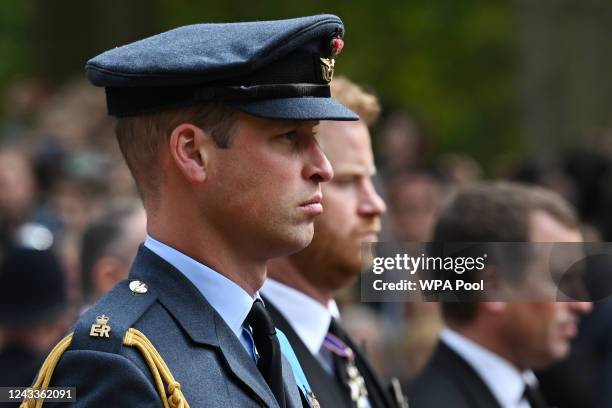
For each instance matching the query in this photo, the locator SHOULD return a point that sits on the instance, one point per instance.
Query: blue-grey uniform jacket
(200, 350)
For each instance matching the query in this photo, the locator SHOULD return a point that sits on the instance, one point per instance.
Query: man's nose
(371, 203)
(317, 168)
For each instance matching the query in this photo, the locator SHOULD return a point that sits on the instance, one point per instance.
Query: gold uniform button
(138, 287)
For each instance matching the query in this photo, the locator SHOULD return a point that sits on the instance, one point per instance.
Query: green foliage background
(450, 63)
(457, 65)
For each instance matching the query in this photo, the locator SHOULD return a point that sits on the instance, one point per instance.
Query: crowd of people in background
(65, 190)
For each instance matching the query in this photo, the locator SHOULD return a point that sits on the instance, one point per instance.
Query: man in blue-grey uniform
(217, 124)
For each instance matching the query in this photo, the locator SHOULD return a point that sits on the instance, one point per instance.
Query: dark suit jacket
(449, 381)
(327, 389)
(18, 366)
(201, 351)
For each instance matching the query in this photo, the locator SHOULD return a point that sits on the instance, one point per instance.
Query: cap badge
(100, 328)
(327, 68)
(327, 64)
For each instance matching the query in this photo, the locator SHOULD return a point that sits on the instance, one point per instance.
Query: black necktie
(268, 349)
(345, 366)
(534, 397)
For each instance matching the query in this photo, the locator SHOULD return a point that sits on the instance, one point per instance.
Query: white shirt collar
(503, 379)
(307, 317)
(229, 300)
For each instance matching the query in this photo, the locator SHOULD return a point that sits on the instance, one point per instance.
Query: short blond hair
(355, 98)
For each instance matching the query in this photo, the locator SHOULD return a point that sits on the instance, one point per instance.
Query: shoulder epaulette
(106, 326)
(103, 326)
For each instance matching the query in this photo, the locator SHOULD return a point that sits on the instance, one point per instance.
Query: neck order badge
(346, 369)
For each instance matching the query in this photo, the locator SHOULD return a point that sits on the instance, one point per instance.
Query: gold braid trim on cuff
(133, 338)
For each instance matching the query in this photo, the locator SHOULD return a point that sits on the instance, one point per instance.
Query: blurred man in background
(488, 349)
(109, 246)
(404, 144)
(302, 287)
(414, 200)
(18, 186)
(33, 311)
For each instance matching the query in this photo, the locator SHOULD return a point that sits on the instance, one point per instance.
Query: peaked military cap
(274, 69)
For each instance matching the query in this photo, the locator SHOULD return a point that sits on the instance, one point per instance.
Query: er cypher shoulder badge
(100, 328)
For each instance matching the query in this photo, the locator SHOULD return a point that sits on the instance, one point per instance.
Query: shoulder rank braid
(168, 388)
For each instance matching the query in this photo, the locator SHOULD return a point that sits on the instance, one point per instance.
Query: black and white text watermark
(489, 271)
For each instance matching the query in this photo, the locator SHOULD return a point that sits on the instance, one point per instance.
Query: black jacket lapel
(475, 390)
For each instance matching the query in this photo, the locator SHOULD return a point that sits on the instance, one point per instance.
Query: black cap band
(123, 102)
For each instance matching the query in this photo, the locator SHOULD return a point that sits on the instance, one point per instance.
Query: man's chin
(562, 349)
(556, 352)
(367, 260)
(350, 268)
(297, 239)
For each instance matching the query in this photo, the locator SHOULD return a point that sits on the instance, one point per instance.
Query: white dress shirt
(306, 316)
(507, 384)
(229, 300)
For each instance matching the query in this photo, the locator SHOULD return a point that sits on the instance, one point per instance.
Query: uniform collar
(306, 316)
(230, 301)
(506, 383)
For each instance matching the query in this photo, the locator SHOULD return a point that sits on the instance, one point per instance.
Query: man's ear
(188, 147)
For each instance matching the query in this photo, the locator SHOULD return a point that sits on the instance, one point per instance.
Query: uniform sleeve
(103, 380)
